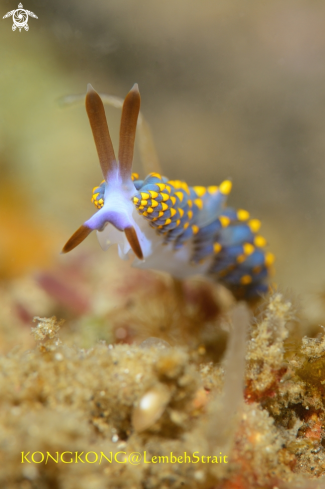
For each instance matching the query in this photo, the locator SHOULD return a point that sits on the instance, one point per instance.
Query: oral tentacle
(97, 221)
(121, 221)
(96, 114)
(133, 240)
(77, 238)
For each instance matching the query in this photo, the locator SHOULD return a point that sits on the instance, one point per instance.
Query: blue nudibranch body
(165, 224)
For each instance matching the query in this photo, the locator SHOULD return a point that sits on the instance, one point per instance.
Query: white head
(119, 188)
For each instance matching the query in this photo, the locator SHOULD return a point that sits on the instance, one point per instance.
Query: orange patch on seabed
(201, 399)
(314, 432)
(255, 396)
(26, 242)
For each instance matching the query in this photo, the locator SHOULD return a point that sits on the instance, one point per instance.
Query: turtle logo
(20, 18)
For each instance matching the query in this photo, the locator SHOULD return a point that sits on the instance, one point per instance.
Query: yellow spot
(144, 202)
(259, 241)
(246, 279)
(164, 206)
(190, 204)
(225, 187)
(186, 225)
(100, 201)
(168, 221)
(242, 215)
(176, 184)
(190, 214)
(135, 176)
(173, 199)
(195, 229)
(180, 195)
(153, 174)
(184, 186)
(213, 189)
(164, 197)
(160, 214)
(181, 212)
(254, 225)
(269, 259)
(135, 200)
(161, 186)
(160, 227)
(154, 203)
(153, 194)
(225, 272)
(241, 258)
(178, 222)
(95, 195)
(168, 188)
(248, 248)
(200, 191)
(145, 213)
(172, 212)
(257, 269)
(145, 195)
(224, 221)
(198, 203)
(217, 247)
(141, 208)
(150, 210)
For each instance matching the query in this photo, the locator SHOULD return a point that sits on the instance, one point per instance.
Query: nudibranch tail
(97, 118)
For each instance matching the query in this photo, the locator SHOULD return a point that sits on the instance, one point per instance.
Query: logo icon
(20, 18)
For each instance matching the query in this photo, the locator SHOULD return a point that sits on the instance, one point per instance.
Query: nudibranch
(165, 224)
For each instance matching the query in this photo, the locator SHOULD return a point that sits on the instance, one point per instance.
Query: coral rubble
(167, 411)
